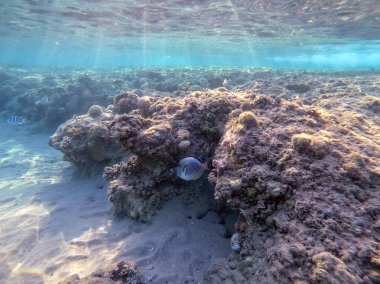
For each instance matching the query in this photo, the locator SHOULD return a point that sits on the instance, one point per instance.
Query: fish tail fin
(206, 166)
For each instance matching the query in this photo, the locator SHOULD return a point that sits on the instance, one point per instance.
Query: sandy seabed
(53, 225)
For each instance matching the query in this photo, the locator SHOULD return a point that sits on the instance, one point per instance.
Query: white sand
(53, 226)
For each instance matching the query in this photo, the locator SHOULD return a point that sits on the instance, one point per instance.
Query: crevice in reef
(226, 217)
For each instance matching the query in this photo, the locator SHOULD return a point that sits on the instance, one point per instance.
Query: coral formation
(144, 103)
(87, 141)
(327, 266)
(95, 111)
(303, 172)
(282, 180)
(48, 98)
(125, 102)
(124, 272)
(157, 143)
(309, 145)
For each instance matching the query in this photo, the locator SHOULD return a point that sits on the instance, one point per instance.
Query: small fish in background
(15, 120)
(225, 83)
(190, 168)
(44, 100)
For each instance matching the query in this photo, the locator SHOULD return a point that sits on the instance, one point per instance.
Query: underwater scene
(190, 141)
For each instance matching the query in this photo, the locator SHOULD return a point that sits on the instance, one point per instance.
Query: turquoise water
(309, 34)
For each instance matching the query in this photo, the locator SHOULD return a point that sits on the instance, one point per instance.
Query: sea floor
(54, 225)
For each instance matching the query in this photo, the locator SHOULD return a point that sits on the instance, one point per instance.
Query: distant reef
(298, 156)
(47, 98)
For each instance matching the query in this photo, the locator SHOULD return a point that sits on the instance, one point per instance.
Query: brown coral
(122, 272)
(144, 103)
(310, 145)
(95, 111)
(330, 269)
(248, 119)
(125, 102)
(85, 141)
(306, 190)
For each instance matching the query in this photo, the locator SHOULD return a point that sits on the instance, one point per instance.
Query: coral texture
(95, 111)
(170, 131)
(86, 140)
(303, 172)
(306, 181)
(124, 272)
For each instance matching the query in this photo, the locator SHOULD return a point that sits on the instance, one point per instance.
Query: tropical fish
(190, 168)
(225, 83)
(16, 120)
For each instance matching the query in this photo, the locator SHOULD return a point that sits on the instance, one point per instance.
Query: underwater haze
(259, 33)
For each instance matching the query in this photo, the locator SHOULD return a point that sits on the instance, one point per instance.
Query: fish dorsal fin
(204, 164)
(199, 160)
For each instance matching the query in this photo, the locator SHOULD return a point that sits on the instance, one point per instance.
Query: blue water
(348, 56)
(276, 33)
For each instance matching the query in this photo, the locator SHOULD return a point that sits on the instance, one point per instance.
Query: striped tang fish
(16, 120)
(190, 168)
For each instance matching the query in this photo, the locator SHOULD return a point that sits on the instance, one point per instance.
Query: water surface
(277, 33)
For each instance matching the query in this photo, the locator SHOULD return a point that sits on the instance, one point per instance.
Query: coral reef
(173, 129)
(124, 272)
(95, 111)
(86, 140)
(125, 102)
(144, 103)
(307, 199)
(47, 98)
(303, 172)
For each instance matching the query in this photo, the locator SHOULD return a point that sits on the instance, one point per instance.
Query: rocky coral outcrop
(307, 198)
(125, 102)
(86, 140)
(123, 272)
(171, 130)
(305, 176)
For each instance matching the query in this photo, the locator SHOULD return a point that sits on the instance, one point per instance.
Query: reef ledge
(303, 173)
